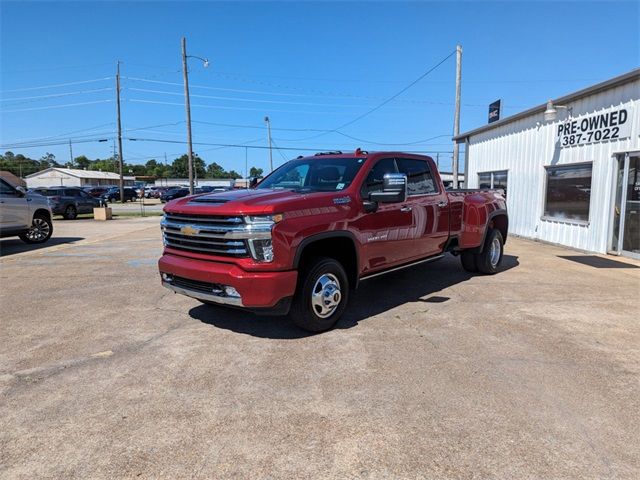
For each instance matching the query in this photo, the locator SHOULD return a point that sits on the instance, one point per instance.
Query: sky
(312, 67)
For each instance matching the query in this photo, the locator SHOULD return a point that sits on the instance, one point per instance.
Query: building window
(496, 180)
(568, 192)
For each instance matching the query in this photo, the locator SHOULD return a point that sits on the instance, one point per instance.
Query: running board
(413, 264)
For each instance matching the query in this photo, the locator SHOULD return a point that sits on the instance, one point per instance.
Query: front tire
(321, 296)
(40, 231)
(70, 212)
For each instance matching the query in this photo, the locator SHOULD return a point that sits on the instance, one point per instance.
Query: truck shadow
(373, 297)
(12, 246)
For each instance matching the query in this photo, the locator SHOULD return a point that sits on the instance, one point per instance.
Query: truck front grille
(208, 234)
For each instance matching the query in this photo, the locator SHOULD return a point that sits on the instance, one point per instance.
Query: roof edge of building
(585, 92)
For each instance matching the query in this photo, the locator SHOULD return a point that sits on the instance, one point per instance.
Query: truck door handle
(442, 204)
(405, 209)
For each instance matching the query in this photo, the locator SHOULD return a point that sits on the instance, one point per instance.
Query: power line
(317, 94)
(55, 95)
(261, 147)
(238, 99)
(57, 85)
(23, 140)
(56, 106)
(220, 107)
(416, 142)
(391, 98)
(55, 143)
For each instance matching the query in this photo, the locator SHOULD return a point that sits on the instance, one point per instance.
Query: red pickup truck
(316, 227)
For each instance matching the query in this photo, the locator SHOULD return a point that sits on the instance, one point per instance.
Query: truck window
(314, 174)
(419, 178)
(373, 183)
(6, 189)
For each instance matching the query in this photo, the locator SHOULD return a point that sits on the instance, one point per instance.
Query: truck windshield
(314, 174)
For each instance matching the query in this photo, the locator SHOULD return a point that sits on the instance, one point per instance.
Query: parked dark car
(113, 195)
(69, 201)
(157, 192)
(97, 192)
(173, 194)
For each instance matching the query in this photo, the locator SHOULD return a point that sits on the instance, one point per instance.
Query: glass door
(626, 224)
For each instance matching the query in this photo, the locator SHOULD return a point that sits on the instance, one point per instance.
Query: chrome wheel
(494, 252)
(40, 230)
(326, 295)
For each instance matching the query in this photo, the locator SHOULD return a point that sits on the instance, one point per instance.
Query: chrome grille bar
(209, 234)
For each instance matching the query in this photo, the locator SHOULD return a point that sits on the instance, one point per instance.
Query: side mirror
(394, 189)
(253, 181)
(21, 190)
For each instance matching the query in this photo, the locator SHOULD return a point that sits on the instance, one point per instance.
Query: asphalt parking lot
(432, 373)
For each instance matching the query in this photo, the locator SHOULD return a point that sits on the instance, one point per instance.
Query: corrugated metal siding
(524, 147)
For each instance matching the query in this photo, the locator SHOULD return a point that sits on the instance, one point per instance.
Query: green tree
(180, 167)
(151, 165)
(215, 171)
(233, 174)
(81, 162)
(48, 160)
(255, 172)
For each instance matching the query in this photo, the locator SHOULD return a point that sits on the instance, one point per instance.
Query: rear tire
(40, 231)
(70, 213)
(468, 261)
(321, 296)
(489, 260)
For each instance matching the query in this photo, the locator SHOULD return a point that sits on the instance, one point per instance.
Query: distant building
(178, 182)
(71, 177)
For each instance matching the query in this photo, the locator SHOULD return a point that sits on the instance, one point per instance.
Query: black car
(173, 194)
(113, 195)
(69, 201)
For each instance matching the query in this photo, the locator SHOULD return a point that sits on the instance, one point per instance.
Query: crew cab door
(388, 233)
(14, 209)
(429, 204)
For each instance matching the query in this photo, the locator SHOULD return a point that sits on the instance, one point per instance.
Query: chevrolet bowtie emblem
(189, 230)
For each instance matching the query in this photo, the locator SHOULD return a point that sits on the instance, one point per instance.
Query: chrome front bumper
(208, 297)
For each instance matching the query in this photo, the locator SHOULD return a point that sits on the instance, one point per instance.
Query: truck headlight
(263, 219)
(262, 248)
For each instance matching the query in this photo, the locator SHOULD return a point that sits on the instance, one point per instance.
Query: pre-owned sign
(610, 125)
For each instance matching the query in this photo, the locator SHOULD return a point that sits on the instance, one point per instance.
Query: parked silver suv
(24, 214)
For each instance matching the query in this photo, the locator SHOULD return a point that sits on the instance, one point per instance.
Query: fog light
(231, 292)
(167, 277)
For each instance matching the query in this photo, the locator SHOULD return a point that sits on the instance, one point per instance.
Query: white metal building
(570, 168)
(177, 182)
(71, 177)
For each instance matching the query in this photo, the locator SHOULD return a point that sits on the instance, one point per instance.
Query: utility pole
(187, 106)
(70, 152)
(456, 118)
(165, 169)
(115, 156)
(119, 134)
(268, 122)
(246, 167)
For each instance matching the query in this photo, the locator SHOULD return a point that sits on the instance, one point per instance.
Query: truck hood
(241, 202)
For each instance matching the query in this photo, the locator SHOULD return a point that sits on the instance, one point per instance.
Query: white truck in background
(24, 214)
